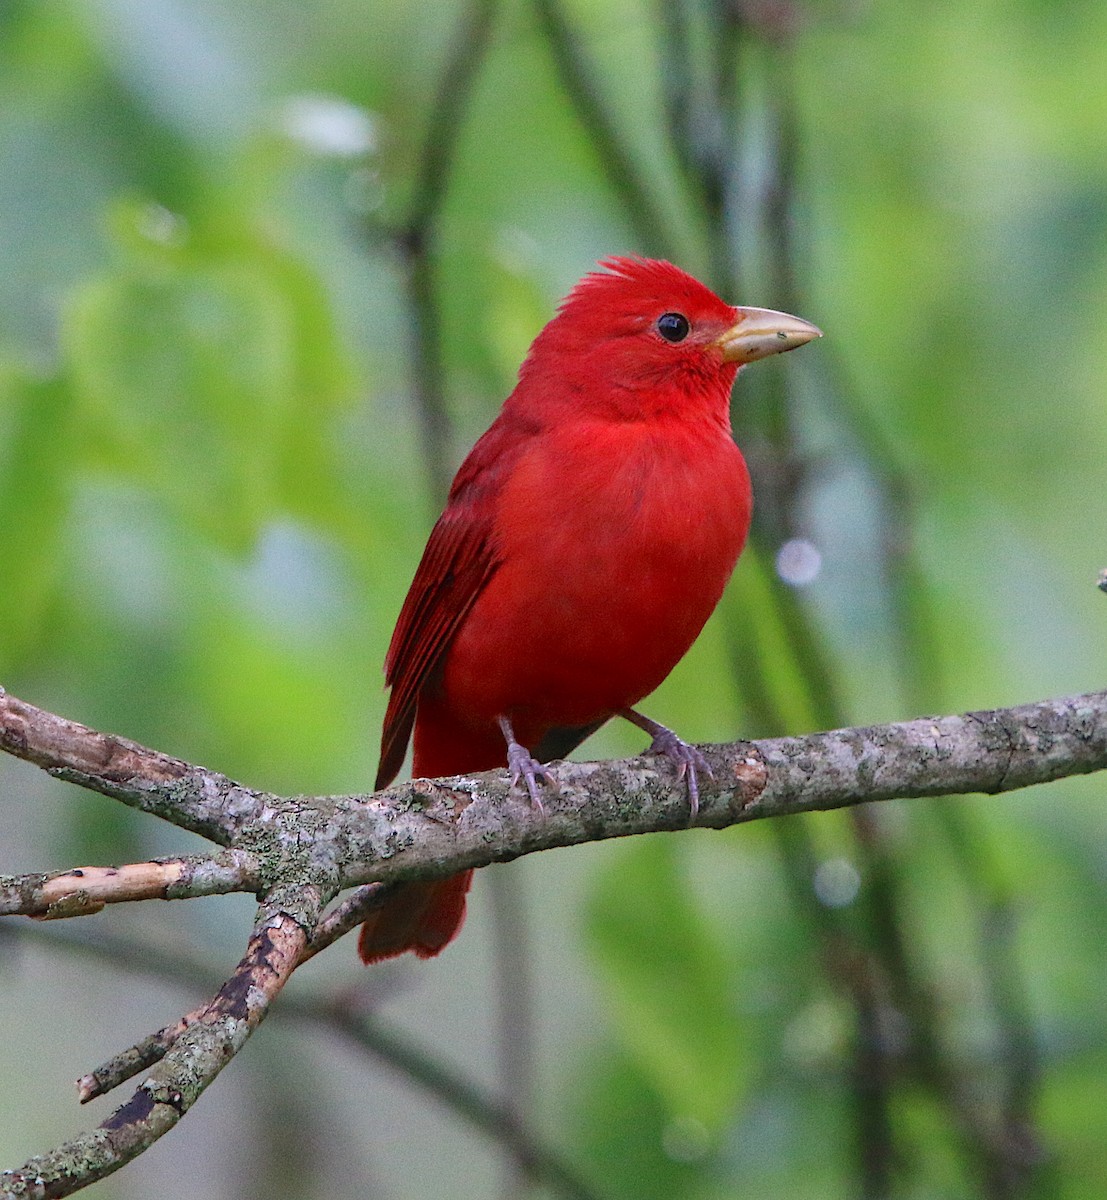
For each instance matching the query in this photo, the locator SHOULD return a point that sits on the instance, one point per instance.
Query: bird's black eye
(673, 327)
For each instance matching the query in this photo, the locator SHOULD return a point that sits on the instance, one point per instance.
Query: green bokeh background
(213, 492)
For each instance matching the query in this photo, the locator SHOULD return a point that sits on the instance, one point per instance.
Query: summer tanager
(586, 539)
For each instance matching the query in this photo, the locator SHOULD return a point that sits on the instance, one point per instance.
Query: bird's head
(643, 335)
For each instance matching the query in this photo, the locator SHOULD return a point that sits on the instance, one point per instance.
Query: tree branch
(348, 1017)
(200, 1051)
(82, 891)
(130, 1062)
(202, 801)
(432, 828)
(303, 850)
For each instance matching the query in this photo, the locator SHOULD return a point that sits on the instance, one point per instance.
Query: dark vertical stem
(1007, 1157)
(915, 637)
(885, 902)
(875, 1065)
(852, 972)
(723, 167)
(426, 360)
(682, 114)
(700, 128)
(1019, 1155)
(1014, 1155)
(515, 992)
(1011, 1158)
(870, 1090)
(616, 162)
(416, 241)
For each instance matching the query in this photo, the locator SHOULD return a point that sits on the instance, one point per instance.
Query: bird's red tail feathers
(426, 917)
(423, 917)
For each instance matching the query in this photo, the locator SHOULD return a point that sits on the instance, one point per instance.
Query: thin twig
(81, 891)
(134, 1060)
(345, 917)
(127, 1063)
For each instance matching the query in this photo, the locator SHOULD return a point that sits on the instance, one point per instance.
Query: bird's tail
(425, 917)
(422, 917)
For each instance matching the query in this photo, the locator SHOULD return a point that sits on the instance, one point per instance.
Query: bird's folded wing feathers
(459, 560)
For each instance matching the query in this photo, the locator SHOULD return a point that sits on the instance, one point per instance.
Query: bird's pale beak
(760, 332)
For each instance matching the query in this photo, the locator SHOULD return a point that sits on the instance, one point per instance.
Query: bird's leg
(687, 758)
(523, 766)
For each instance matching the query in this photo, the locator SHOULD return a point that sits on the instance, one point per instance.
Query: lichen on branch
(298, 853)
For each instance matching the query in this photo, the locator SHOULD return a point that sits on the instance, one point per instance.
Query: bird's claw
(523, 766)
(688, 761)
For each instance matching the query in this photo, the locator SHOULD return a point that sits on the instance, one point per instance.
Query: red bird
(585, 542)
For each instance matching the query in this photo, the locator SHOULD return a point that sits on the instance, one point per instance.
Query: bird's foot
(523, 766)
(688, 760)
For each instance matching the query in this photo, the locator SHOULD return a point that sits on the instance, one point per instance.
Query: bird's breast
(615, 542)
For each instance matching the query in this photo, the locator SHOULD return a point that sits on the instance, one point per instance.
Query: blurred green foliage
(213, 492)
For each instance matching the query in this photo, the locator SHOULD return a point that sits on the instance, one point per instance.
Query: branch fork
(298, 853)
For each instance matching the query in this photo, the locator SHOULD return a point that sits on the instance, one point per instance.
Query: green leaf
(669, 977)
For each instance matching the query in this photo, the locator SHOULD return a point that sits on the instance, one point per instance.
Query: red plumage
(586, 540)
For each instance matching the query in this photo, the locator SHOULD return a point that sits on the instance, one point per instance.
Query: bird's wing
(459, 560)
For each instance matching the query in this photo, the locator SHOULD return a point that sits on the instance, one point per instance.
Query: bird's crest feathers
(637, 286)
